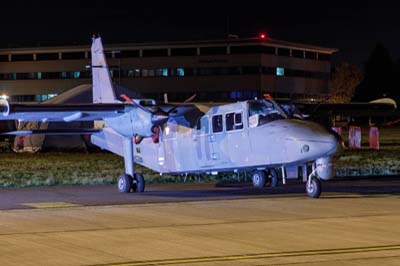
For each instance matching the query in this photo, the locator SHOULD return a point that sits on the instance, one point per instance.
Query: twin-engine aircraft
(255, 135)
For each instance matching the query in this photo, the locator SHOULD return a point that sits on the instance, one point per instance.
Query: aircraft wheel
(313, 187)
(258, 179)
(124, 183)
(272, 177)
(138, 183)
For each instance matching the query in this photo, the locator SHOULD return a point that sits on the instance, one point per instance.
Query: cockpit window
(264, 111)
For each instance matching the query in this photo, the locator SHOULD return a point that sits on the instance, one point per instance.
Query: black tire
(272, 177)
(124, 183)
(138, 183)
(313, 188)
(258, 179)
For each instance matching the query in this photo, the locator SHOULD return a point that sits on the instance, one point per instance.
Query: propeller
(159, 116)
(185, 101)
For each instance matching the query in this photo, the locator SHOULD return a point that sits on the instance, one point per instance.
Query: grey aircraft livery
(254, 136)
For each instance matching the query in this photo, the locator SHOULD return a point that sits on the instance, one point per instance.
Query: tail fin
(103, 90)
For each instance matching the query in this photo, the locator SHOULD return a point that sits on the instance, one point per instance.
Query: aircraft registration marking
(49, 205)
(260, 256)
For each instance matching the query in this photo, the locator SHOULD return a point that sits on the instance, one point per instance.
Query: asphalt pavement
(355, 222)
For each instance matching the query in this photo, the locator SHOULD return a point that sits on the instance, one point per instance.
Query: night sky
(354, 28)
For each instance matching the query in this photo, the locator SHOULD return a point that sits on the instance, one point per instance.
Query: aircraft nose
(337, 142)
(311, 139)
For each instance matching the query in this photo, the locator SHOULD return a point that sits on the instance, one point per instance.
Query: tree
(345, 79)
(379, 76)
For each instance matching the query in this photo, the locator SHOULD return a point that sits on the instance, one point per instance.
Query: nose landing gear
(313, 187)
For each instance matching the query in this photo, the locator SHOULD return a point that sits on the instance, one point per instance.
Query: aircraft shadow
(344, 187)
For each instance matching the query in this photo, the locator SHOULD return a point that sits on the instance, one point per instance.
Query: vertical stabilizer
(103, 90)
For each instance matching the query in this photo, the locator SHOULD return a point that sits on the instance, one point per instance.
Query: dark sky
(354, 28)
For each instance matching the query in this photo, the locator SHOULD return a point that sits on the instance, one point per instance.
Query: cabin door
(202, 142)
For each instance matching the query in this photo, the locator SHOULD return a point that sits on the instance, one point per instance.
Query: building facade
(218, 70)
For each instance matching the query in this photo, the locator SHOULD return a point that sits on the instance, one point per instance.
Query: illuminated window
(280, 71)
(39, 75)
(77, 74)
(137, 72)
(180, 72)
(165, 72)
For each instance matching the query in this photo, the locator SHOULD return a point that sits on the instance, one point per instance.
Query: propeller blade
(186, 101)
(190, 98)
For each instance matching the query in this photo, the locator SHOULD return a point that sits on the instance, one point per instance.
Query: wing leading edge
(60, 113)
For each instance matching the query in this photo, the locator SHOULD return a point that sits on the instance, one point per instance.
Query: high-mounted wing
(59, 113)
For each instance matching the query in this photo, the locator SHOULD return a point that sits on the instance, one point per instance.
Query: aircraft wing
(52, 132)
(60, 113)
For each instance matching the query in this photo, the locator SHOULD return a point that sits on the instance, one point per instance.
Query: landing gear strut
(130, 181)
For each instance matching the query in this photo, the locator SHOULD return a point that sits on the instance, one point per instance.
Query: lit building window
(180, 72)
(137, 72)
(280, 71)
(39, 75)
(165, 72)
(77, 74)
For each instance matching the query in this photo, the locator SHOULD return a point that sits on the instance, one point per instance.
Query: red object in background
(267, 96)
(126, 98)
(262, 36)
(354, 137)
(374, 138)
(338, 130)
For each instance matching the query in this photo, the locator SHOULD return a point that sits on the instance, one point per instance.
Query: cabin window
(217, 123)
(233, 121)
(238, 121)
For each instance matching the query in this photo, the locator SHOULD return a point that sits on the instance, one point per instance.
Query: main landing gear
(269, 177)
(127, 183)
(130, 181)
(262, 178)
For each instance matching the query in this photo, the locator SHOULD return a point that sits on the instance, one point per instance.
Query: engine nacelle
(324, 168)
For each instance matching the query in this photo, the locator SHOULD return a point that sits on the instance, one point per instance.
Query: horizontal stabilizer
(53, 132)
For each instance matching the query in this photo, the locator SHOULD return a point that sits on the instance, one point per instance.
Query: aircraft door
(202, 142)
(238, 143)
(218, 141)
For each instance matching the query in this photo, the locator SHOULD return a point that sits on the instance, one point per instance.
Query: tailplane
(103, 89)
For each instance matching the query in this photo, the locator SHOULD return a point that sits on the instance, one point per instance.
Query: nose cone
(309, 140)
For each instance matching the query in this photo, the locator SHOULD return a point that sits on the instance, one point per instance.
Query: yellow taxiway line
(259, 256)
(49, 205)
